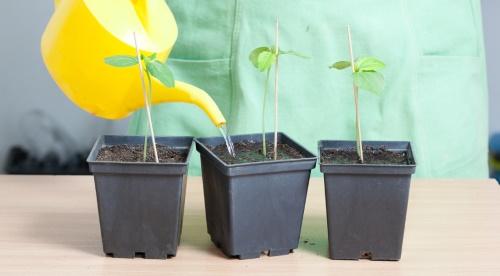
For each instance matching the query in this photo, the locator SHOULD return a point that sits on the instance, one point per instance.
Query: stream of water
(227, 139)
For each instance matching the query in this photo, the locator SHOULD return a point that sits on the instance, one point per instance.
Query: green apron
(435, 96)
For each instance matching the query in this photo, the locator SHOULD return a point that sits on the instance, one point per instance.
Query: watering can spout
(105, 28)
(186, 93)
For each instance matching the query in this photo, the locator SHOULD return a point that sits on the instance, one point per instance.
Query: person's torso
(434, 74)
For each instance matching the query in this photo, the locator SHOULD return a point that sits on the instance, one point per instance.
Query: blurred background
(41, 131)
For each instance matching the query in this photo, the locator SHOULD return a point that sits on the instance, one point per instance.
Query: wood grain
(49, 226)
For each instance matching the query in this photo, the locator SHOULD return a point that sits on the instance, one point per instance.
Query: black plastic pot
(366, 204)
(140, 204)
(254, 207)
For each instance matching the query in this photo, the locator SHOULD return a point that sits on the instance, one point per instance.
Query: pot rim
(100, 142)
(290, 142)
(401, 145)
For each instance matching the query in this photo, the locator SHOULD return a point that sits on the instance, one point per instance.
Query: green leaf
(369, 64)
(153, 56)
(369, 81)
(265, 60)
(340, 65)
(254, 55)
(161, 72)
(121, 61)
(293, 53)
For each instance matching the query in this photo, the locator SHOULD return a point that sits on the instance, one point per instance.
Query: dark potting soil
(371, 155)
(135, 153)
(251, 151)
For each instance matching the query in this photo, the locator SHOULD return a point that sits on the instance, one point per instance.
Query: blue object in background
(495, 156)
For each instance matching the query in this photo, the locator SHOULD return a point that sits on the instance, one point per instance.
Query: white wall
(491, 21)
(25, 84)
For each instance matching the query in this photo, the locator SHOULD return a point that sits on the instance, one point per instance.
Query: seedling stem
(276, 79)
(359, 143)
(264, 101)
(146, 100)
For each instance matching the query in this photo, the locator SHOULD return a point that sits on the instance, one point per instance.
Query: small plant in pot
(255, 191)
(141, 181)
(367, 183)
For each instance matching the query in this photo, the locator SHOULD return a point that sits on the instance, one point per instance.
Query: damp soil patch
(251, 151)
(372, 155)
(135, 153)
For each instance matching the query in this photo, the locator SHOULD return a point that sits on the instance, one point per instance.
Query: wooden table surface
(49, 226)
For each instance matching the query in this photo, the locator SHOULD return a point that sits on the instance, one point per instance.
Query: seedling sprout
(366, 75)
(151, 67)
(263, 58)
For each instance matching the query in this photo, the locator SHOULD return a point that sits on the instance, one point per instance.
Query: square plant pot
(254, 207)
(366, 204)
(140, 204)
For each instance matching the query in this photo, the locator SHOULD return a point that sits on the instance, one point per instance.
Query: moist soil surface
(135, 153)
(372, 155)
(251, 151)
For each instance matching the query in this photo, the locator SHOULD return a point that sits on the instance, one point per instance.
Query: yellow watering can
(81, 33)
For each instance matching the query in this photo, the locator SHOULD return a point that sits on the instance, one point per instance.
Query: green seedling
(152, 68)
(263, 59)
(366, 76)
